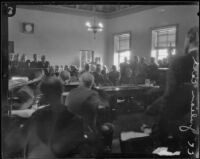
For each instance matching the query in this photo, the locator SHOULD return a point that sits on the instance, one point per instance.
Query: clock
(28, 28)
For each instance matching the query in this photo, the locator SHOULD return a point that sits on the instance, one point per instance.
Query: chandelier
(95, 27)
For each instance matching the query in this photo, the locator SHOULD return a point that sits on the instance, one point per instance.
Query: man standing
(142, 72)
(114, 75)
(153, 72)
(34, 63)
(123, 68)
(44, 65)
(98, 77)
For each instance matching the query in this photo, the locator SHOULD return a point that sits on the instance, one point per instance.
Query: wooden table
(126, 90)
(69, 87)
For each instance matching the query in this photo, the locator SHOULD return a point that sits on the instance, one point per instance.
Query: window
(163, 42)
(121, 48)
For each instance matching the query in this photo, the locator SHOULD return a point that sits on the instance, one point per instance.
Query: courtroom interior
(100, 80)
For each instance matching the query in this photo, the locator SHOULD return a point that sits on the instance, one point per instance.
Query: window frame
(130, 40)
(163, 27)
(121, 51)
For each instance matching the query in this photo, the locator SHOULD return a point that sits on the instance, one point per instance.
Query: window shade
(122, 42)
(163, 38)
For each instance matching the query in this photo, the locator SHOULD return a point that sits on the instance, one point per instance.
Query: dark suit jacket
(178, 89)
(98, 78)
(44, 66)
(84, 102)
(53, 135)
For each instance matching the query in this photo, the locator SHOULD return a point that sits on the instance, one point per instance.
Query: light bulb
(101, 25)
(88, 24)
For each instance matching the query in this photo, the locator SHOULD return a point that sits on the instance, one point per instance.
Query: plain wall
(61, 36)
(140, 24)
(58, 36)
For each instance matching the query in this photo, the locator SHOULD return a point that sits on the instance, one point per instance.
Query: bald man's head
(86, 79)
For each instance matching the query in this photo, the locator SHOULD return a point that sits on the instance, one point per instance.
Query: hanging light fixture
(95, 27)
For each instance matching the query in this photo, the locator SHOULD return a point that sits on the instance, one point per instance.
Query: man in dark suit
(98, 77)
(85, 102)
(152, 70)
(114, 75)
(34, 63)
(34, 67)
(43, 64)
(123, 70)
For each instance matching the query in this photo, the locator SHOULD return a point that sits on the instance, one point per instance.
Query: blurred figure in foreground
(52, 131)
(175, 105)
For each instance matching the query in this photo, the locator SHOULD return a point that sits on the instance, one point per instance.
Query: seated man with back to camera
(86, 102)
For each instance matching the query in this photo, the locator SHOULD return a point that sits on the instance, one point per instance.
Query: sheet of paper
(163, 151)
(132, 135)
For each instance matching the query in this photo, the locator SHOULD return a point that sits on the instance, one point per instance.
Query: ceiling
(105, 11)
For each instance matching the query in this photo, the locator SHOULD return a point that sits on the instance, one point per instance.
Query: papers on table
(132, 135)
(73, 83)
(42, 106)
(120, 101)
(163, 151)
(143, 85)
(163, 69)
(16, 78)
(65, 93)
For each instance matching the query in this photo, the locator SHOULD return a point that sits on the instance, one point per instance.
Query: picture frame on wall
(28, 28)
